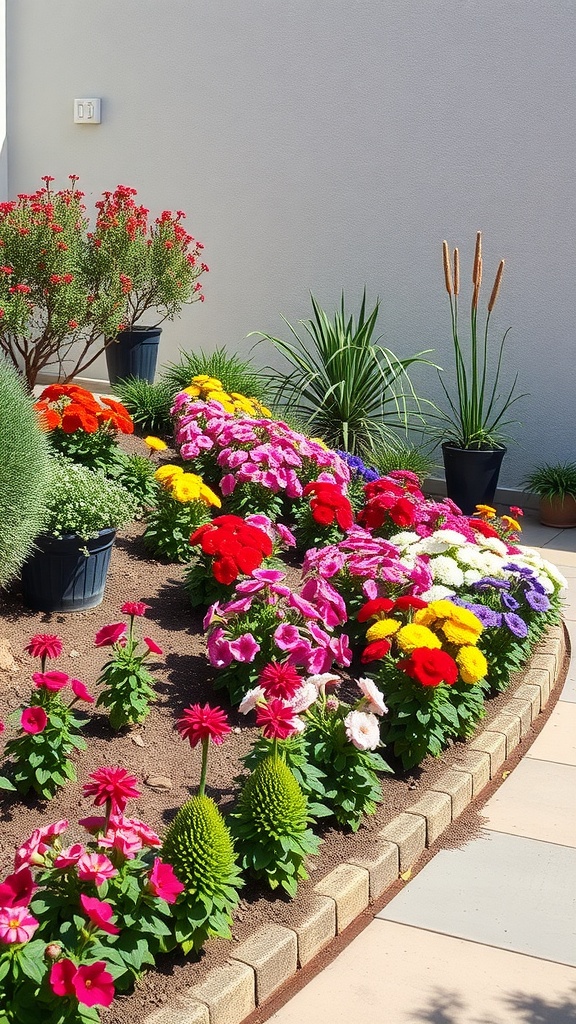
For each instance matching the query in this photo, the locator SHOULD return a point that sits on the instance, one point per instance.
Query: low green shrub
(234, 373)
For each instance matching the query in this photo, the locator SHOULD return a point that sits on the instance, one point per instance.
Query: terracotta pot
(557, 511)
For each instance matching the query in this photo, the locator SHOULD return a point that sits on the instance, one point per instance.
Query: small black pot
(134, 354)
(59, 577)
(471, 475)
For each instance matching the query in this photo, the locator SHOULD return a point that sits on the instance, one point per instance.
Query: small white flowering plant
(83, 501)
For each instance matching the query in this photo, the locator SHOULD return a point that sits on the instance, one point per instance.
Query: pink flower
(279, 680)
(362, 730)
(203, 723)
(135, 608)
(71, 855)
(373, 696)
(99, 913)
(163, 882)
(152, 646)
(44, 645)
(16, 925)
(244, 648)
(33, 720)
(79, 690)
(95, 867)
(123, 838)
(287, 637)
(52, 681)
(111, 785)
(93, 984)
(17, 890)
(33, 850)
(61, 975)
(219, 653)
(304, 697)
(145, 833)
(277, 719)
(111, 634)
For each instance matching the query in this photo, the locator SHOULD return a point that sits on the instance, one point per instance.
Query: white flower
(251, 699)
(323, 680)
(445, 570)
(433, 545)
(304, 697)
(472, 575)
(452, 537)
(362, 730)
(404, 539)
(437, 592)
(496, 545)
(373, 695)
(472, 556)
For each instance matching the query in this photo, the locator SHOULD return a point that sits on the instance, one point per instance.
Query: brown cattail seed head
(496, 287)
(447, 269)
(477, 258)
(456, 272)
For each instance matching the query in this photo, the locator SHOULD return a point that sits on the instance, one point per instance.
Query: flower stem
(204, 767)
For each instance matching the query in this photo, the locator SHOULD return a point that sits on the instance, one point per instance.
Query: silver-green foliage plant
(348, 388)
(24, 472)
(83, 501)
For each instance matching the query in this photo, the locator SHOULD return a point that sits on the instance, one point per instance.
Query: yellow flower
(412, 636)
(155, 444)
(193, 391)
(472, 664)
(512, 524)
(186, 487)
(383, 628)
(318, 440)
(167, 474)
(461, 632)
(207, 383)
(435, 610)
(486, 510)
(208, 496)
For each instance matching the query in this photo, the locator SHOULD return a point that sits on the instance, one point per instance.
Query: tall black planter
(134, 354)
(471, 475)
(59, 577)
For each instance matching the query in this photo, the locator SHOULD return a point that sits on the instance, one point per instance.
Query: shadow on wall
(517, 1008)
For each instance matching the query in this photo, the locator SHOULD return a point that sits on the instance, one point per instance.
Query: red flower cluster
(381, 607)
(391, 499)
(430, 667)
(71, 408)
(111, 786)
(203, 723)
(328, 504)
(236, 546)
(279, 679)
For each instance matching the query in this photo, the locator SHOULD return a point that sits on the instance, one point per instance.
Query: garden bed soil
(166, 767)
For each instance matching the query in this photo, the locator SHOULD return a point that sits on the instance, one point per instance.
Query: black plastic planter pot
(59, 577)
(471, 475)
(134, 354)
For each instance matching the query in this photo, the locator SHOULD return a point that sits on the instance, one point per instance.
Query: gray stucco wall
(331, 144)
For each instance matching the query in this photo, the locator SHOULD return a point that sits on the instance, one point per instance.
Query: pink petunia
(93, 985)
(95, 867)
(111, 634)
(152, 646)
(100, 913)
(16, 925)
(71, 855)
(79, 690)
(244, 648)
(52, 681)
(163, 882)
(17, 889)
(34, 720)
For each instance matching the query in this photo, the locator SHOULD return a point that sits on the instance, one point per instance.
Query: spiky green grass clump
(148, 404)
(235, 374)
(199, 847)
(24, 473)
(271, 826)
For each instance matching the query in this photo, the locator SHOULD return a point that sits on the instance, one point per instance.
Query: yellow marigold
(207, 383)
(186, 487)
(208, 496)
(459, 633)
(193, 390)
(155, 443)
(318, 440)
(412, 636)
(261, 409)
(435, 610)
(486, 510)
(512, 524)
(472, 664)
(382, 629)
(166, 474)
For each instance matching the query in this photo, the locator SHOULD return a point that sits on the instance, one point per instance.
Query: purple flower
(538, 602)
(515, 624)
(489, 581)
(287, 637)
(509, 602)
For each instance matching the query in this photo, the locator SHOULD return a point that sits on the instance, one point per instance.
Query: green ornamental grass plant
(148, 404)
(235, 374)
(553, 480)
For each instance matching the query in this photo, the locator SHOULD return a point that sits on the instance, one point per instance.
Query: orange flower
(49, 418)
(122, 423)
(76, 417)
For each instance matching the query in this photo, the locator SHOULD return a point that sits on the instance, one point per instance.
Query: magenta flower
(135, 608)
(123, 838)
(17, 890)
(277, 719)
(113, 786)
(163, 882)
(244, 648)
(71, 855)
(111, 634)
(203, 723)
(79, 690)
(279, 680)
(90, 983)
(33, 720)
(219, 653)
(152, 646)
(33, 850)
(100, 914)
(143, 831)
(61, 975)
(95, 867)
(44, 645)
(16, 925)
(52, 681)
(287, 637)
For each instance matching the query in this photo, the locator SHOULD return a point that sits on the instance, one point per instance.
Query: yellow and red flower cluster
(69, 408)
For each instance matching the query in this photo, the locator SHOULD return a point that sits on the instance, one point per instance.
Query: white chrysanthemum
(545, 569)
(433, 545)
(447, 571)
(437, 593)
(472, 575)
(303, 698)
(452, 537)
(470, 555)
(404, 539)
(496, 545)
(373, 695)
(251, 699)
(362, 729)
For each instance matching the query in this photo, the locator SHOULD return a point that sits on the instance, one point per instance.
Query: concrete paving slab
(392, 974)
(500, 890)
(569, 688)
(537, 801)
(557, 742)
(562, 557)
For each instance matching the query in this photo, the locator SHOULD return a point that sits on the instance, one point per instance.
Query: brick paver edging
(273, 953)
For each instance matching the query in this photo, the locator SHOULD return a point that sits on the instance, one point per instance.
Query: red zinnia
(203, 723)
(100, 913)
(134, 608)
(277, 719)
(44, 645)
(33, 720)
(112, 785)
(279, 680)
(430, 667)
(375, 651)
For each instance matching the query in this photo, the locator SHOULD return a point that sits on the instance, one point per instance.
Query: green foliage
(199, 847)
(24, 474)
(553, 480)
(83, 501)
(401, 455)
(294, 751)
(252, 499)
(98, 450)
(148, 404)
(128, 687)
(235, 374)
(41, 762)
(169, 524)
(271, 826)
(350, 390)
(136, 474)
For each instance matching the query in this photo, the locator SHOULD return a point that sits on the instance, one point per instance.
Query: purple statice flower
(490, 581)
(538, 602)
(489, 618)
(515, 624)
(509, 602)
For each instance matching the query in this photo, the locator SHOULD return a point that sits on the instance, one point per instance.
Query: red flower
(93, 984)
(483, 527)
(44, 645)
(99, 913)
(430, 667)
(163, 882)
(134, 608)
(280, 680)
(375, 651)
(408, 601)
(112, 785)
(238, 547)
(79, 690)
(33, 720)
(61, 976)
(53, 681)
(109, 635)
(203, 723)
(17, 890)
(152, 645)
(373, 609)
(328, 504)
(277, 719)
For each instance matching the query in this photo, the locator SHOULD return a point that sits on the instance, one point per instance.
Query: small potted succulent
(555, 484)
(67, 570)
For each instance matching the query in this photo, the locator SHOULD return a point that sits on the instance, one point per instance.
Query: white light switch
(87, 111)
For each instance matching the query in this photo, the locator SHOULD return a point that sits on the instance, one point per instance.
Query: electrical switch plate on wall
(87, 111)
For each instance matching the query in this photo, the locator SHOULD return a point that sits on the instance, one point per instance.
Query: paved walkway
(485, 934)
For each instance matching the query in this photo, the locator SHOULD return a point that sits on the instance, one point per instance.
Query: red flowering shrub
(391, 504)
(235, 546)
